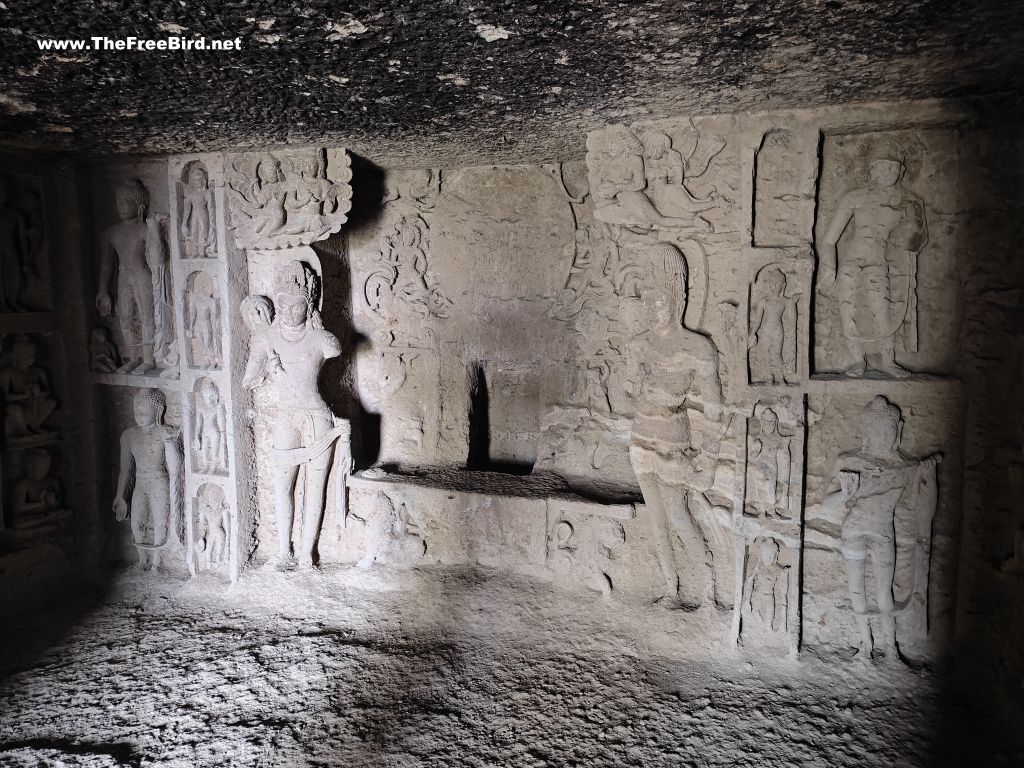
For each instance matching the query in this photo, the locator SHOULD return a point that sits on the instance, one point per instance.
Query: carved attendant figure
(195, 213)
(214, 517)
(869, 251)
(288, 356)
(209, 425)
(675, 365)
(769, 459)
(766, 591)
(148, 479)
(36, 498)
(204, 321)
(134, 245)
(889, 502)
(772, 329)
(25, 389)
(15, 250)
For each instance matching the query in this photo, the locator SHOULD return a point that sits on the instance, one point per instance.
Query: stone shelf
(26, 322)
(32, 441)
(131, 380)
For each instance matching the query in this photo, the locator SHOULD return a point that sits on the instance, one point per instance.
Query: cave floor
(443, 668)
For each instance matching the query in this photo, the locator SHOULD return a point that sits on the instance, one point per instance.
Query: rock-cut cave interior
(590, 383)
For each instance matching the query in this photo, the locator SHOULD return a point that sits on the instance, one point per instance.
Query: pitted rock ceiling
(451, 80)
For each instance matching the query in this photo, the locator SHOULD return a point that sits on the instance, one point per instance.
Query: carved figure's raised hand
(120, 510)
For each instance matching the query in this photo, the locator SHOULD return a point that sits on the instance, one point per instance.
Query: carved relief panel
(203, 331)
(880, 523)
(785, 180)
(886, 303)
(779, 322)
(287, 199)
(24, 251)
(197, 219)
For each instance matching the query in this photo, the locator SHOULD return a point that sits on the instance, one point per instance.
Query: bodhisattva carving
(288, 349)
(103, 356)
(869, 253)
(213, 524)
(391, 536)
(202, 324)
(288, 200)
(675, 368)
(25, 390)
(888, 501)
(196, 216)
(136, 248)
(399, 289)
(586, 552)
(21, 241)
(770, 467)
(148, 483)
(38, 497)
(209, 425)
(772, 339)
(766, 590)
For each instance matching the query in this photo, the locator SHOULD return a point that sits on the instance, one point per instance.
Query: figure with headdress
(771, 340)
(673, 369)
(887, 501)
(148, 483)
(618, 183)
(869, 253)
(286, 357)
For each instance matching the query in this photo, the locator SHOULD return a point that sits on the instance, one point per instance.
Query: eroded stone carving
(209, 425)
(148, 481)
(766, 592)
(38, 497)
(136, 247)
(399, 290)
(21, 244)
(584, 551)
(391, 535)
(640, 182)
(196, 217)
(287, 200)
(675, 367)
(25, 388)
(203, 321)
(211, 527)
(772, 338)
(103, 356)
(868, 265)
(784, 188)
(772, 469)
(288, 349)
(887, 501)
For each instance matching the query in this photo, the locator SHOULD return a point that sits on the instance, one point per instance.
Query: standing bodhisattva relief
(288, 349)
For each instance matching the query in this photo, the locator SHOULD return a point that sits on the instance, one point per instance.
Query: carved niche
(211, 528)
(785, 177)
(196, 212)
(283, 200)
(584, 542)
(25, 390)
(24, 273)
(778, 322)
(209, 429)
(768, 526)
(203, 322)
(887, 252)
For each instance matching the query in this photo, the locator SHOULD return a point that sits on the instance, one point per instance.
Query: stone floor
(448, 668)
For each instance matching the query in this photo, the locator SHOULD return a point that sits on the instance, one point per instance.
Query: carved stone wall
(740, 369)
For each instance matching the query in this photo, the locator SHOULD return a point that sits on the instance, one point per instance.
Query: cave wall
(502, 335)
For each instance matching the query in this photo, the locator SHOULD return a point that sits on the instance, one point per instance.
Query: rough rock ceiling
(454, 79)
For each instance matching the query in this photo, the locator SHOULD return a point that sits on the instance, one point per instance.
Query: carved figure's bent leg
(659, 527)
(854, 555)
(883, 571)
(717, 536)
(285, 436)
(316, 488)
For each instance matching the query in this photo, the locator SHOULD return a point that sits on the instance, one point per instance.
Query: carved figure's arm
(173, 456)
(104, 303)
(256, 366)
(828, 251)
(126, 470)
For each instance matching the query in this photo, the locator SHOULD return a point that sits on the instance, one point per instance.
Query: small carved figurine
(25, 389)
